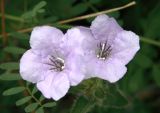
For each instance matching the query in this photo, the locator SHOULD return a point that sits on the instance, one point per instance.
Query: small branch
(149, 41)
(30, 93)
(3, 23)
(98, 13)
(14, 18)
(75, 19)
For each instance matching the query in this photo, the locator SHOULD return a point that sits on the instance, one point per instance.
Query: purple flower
(107, 48)
(49, 64)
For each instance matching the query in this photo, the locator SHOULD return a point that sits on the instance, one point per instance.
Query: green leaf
(14, 50)
(10, 66)
(39, 110)
(39, 5)
(31, 107)
(49, 104)
(82, 105)
(156, 74)
(41, 98)
(34, 90)
(10, 76)
(13, 91)
(41, 11)
(23, 100)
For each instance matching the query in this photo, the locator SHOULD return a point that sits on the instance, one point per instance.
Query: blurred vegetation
(137, 92)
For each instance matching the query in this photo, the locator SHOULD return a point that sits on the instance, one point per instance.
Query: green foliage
(82, 105)
(31, 107)
(39, 110)
(10, 66)
(10, 76)
(23, 100)
(49, 104)
(13, 91)
(14, 50)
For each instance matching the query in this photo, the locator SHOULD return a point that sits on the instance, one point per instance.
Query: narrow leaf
(39, 5)
(41, 98)
(10, 76)
(31, 107)
(10, 66)
(14, 50)
(34, 90)
(13, 91)
(49, 104)
(23, 100)
(39, 110)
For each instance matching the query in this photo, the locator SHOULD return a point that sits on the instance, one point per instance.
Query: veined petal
(111, 70)
(105, 28)
(44, 39)
(76, 66)
(31, 67)
(73, 40)
(125, 46)
(54, 86)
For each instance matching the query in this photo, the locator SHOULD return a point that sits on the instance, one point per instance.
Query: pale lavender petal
(45, 39)
(76, 66)
(105, 28)
(73, 40)
(31, 67)
(110, 70)
(125, 46)
(54, 86)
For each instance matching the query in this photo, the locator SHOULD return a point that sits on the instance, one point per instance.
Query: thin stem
(96, 14)
(150, 41)
(14, 18)
(3, 23)
(73, 19)
(30, 93)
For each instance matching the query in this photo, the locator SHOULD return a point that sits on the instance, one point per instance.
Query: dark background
(137, 92)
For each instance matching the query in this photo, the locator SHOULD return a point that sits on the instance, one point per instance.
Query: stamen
(56, 64)
(103, 50)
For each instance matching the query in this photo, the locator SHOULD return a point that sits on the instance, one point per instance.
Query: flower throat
(103, 50)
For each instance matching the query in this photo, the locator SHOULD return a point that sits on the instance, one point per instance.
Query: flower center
(56, 63)
(103, 50)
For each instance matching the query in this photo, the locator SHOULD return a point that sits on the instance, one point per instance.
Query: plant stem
(96, 14)
(150, 41)
(3, 22)
(33, 96)
(11, 17)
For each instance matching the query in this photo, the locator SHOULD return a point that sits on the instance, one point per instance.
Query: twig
(3, 23)
(82, 17)
(96, 14)
(149, 41)
(11, 17)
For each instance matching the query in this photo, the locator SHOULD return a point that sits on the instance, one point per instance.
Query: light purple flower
(107, 48)
(49, 64)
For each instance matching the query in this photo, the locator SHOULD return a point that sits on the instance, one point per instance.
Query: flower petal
(111, 70)
(31, 67)
(125, 46)
(44, 39)
(105, 28)
(54, 86)
(76, 66)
